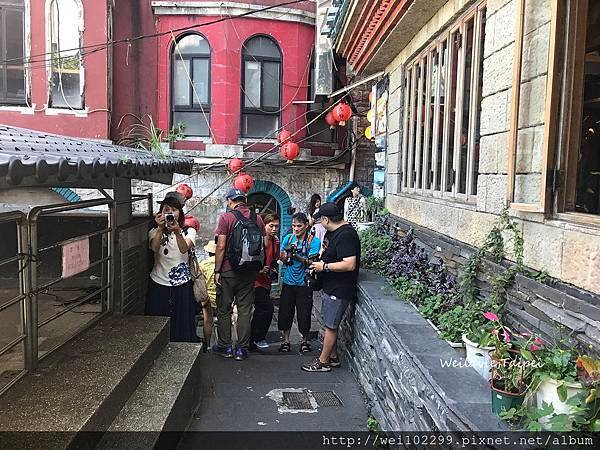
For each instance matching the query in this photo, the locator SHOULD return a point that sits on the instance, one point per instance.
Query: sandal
(285, 347)
(305, 347)
(316, 366)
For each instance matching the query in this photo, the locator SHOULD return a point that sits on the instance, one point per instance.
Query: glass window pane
(271, 85)
(15, 84)
(14, 37)
(201, 80)
(252, 78)
(66, 89)
(260, 125)
(195, 122)
(192, 44)
(442, 91)
(422, 111)
(464, 134)
(261, 46)
(66, 57)
(455, 40)
(475, 157)
(181, 83)
(428, 175)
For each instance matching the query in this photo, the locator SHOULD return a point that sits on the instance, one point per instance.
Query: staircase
(121, 375)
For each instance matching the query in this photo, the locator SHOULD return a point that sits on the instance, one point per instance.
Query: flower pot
(478, 357)
(547, 392)
(502, 400)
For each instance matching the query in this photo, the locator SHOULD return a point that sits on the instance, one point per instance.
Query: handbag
(198, 280)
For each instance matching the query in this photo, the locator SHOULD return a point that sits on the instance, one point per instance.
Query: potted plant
(512, 369)
(477, 343)
(556, 378)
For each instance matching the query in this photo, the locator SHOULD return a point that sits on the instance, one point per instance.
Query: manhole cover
(297, 400)
(327, 398)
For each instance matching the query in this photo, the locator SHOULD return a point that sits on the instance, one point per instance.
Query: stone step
(165, 400)
(83, 386)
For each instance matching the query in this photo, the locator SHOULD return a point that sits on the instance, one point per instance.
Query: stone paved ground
(235, 394)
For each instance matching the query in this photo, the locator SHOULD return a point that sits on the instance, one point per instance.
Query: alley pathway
(248, 395)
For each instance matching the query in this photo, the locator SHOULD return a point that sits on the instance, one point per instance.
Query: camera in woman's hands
(170, 218)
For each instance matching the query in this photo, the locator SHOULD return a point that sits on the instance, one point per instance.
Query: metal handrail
(65, 241)
(12, 301)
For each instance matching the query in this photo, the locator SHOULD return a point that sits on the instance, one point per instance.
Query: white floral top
(355, 210)
(171, 267)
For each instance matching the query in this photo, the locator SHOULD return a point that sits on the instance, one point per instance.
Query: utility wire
(105, 45)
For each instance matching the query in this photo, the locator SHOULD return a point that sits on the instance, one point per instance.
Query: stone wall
(299, 183)
(550, 309)
(563, 247)
(365, 149)
(397, 357)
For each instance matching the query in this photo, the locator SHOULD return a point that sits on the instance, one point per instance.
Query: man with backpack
(239, 257)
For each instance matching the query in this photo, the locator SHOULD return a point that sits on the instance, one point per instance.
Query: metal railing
(38, 288)
(21, 298)
(31, 285)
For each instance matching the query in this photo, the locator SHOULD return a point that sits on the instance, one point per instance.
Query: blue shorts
(332, 310)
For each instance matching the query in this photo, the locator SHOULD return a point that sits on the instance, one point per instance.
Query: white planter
(547, 392)
(478, 357)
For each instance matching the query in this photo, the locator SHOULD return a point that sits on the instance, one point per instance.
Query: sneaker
(241, 354)
(316, 366)
(262, 344)
(225, 352)
(334, 362)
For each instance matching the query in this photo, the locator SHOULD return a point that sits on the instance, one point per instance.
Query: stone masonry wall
(365, 150)
(298, 182)
(552, 310)
(566, 250)
(397, 357)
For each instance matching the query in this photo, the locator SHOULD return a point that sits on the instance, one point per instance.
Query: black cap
(328, 210)
(174, 196)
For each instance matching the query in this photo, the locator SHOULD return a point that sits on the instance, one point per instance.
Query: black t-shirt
(339, 244)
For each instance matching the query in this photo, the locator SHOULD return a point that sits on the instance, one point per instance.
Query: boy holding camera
(297, 250)
(263, 305)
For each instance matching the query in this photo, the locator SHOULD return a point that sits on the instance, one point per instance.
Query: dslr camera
(291, 251)
(170, 217)
(274, 271)
(313, 279)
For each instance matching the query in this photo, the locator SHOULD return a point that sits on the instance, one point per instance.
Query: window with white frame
(441, 109)
(12, 52)
(66, 41)
(261, 87)
(190, 87)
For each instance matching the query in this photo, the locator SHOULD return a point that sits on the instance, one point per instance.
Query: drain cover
(327, 398)
(297, 400)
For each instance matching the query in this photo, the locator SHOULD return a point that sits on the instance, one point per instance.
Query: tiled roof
(38, 157)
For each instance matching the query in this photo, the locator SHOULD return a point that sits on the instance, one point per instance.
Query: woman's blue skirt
(178, 303)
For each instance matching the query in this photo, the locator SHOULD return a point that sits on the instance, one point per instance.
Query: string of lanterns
(290, 150)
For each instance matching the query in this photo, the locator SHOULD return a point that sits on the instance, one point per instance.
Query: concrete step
(84, 385)
(165, 400)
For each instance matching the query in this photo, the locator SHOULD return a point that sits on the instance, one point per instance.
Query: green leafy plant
(142, 133)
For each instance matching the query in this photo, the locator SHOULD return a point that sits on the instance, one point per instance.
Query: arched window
(261, 87)
(66, 40)
(190, 87)
(12, 52)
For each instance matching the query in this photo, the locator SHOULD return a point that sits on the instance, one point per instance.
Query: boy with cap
(233, 285)
(338, 270)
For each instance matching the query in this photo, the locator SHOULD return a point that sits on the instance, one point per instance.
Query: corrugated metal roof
(39, 157)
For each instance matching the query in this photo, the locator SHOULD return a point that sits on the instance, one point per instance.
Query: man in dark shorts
(338, 270)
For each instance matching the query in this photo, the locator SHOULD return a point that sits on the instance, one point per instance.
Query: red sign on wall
(75, 257)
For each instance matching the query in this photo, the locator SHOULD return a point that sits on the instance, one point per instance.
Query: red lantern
(185, 190)
(243, 182)
(235, 165)
(192, 222)
(290, 151)
(330, 120)
(341, 113)
(284, 136)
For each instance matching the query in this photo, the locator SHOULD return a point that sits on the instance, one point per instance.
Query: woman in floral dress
(170, 291)
(355, 206)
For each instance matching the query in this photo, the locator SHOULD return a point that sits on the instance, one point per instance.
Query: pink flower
(538, 341)
(506, 336)
(491, 316)
(534, 347)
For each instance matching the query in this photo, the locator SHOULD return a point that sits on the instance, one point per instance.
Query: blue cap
(234, 193)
